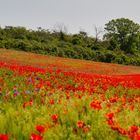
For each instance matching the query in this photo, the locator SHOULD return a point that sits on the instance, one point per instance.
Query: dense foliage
(121, 42)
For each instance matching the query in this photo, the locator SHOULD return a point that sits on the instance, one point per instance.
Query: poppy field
(50, 98)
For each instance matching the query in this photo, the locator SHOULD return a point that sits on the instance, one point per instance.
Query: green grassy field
(44, 97)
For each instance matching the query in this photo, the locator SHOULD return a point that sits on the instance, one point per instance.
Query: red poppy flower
(134, 129)
(29, 103)
(41, 128)
(108, 105)
(55, 118)
(113, 100)
(3, 137)
(131, 107)
(85, 129)
(110, 115)
(122, 131)
(51, 102)
(80, 124)
(36, 137)
(95, 105)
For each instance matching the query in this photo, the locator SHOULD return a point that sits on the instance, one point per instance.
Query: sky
(76, 15)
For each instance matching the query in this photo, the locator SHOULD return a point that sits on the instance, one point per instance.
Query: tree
(16, 32)
(122, 34)
(61, 30)
(98, 32)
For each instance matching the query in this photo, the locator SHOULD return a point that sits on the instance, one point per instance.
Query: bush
(79, 46)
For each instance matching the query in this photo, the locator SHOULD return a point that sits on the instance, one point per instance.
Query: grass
(45, 97)
(67, 64)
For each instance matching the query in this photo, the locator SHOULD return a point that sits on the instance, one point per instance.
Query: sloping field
(67, 64)
(52, 98)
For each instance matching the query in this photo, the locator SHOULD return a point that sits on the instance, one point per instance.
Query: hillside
(45, 97)
(45, 61)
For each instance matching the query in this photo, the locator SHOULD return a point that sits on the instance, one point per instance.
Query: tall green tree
(123, 34)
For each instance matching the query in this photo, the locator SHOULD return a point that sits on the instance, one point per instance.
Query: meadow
(52, 98)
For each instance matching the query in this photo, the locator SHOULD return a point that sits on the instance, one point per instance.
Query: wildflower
(37, 78)
(134, 129)
(114, 127)
(29, 103)
(54, 118)
(110, 116)
(3, 137)
(108, 105)
(113, 100)
(29, 80)
(16, 93)
(110, 122)
(41, 128)
(95, 105)
(134, 136)
(122, 131)
(80, 124)
(51, 102)
(36, 137)
(131, 107)
(85, 129)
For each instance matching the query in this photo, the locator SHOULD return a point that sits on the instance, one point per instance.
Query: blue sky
(74, 14)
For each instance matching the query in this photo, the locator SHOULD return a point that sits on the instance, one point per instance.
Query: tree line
(120, 43)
